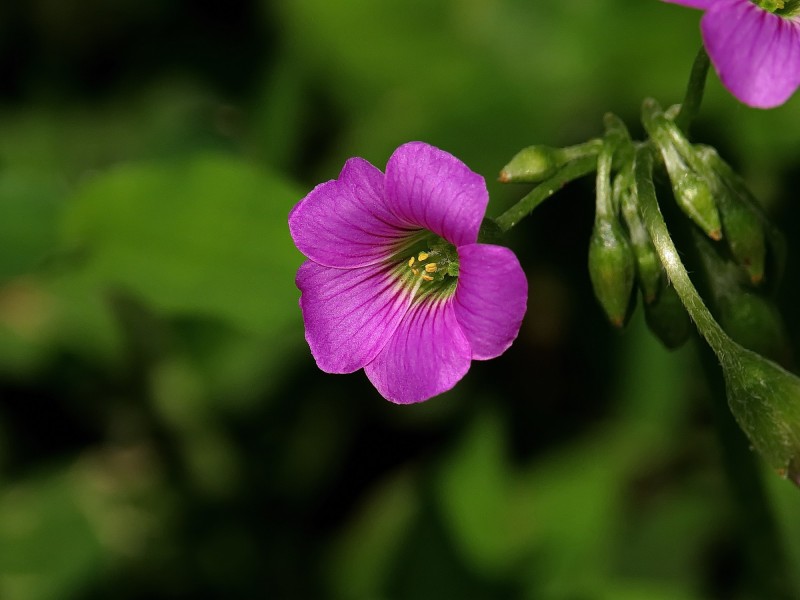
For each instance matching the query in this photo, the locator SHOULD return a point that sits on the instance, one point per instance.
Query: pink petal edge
(491, 298)
(427, 187)
(349, 314)
(427, 355)
(755, 53)
(345, 223)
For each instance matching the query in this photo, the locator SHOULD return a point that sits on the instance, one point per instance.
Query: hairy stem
(759, 530)
(668, 253)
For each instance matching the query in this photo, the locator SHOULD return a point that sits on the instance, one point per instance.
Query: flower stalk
(670, 259)
(570, 171)
(694, 91)
(763, 397)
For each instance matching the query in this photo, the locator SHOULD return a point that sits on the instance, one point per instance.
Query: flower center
(432, 265)
(429, 266)
(783, 8)
(788, 8)
(770, 5)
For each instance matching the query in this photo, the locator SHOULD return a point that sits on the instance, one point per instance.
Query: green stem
(694, 91)
(548, 187)
(668, 253)
(760, 532)
(604, 208)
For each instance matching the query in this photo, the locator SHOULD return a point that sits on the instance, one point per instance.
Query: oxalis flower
(395, 283)
(754, 46)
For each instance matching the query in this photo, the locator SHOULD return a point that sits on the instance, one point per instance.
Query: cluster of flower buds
(738, 257)
(738, 238)
(739, 248)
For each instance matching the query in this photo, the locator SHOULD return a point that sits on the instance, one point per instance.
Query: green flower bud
(648, 266)
(747, 316)
(745, 237)
(690, 189)
(611, 268)
(742, 224)
(537, 163)
(696, 200)
(611, 262)
(530, 165)
(774, 237)
(667, 318)
(765, 400)
(754, 321)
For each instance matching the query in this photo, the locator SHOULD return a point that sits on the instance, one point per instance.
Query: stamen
(432, 265)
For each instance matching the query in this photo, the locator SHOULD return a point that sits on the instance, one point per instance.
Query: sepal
(745, 225)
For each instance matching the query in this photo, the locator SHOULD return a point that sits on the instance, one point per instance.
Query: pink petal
(350, 314)
(429, 188)
(491, 298)
(345, 223)
(755, 52)
(427, 355)
(701, 4)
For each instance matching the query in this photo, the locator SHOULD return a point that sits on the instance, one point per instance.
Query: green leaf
(206, 236)
(361, 559)
(49, 548)
(30, 203)
(473, 490)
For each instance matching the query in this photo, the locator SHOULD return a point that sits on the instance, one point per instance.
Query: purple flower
(755, 51)
(395, 283)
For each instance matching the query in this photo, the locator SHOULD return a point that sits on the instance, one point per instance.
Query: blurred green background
(164, 432)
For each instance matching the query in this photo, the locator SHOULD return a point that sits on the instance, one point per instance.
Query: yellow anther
(427, 277)
(411, 262)
(423, 256)
(415, 271)
(431, 268)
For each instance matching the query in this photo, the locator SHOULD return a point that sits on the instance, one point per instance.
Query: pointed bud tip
(715, 235)
(531, 165)
(650, 103)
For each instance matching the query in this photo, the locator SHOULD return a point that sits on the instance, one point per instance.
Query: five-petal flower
(396, 282)
(756, 52)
